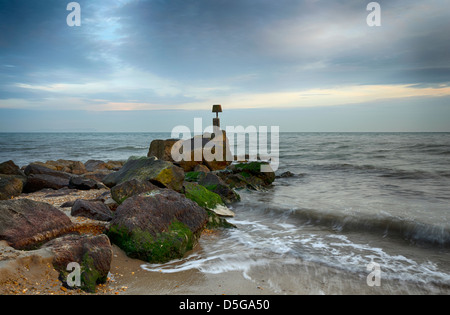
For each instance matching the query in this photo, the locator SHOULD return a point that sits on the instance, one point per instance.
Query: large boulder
(162, 149)
(25, 224)
(95, 210)
(12, 180)
(200, 151)
(158, 226)
(10, 168)
(160, 173)
(10, 186)
(84, 183)
(123, 191)
(40, 177)
(93, 254)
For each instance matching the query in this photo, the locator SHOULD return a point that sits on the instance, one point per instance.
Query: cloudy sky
(149, 65)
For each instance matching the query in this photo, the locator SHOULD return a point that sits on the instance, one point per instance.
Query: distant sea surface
(356, 198)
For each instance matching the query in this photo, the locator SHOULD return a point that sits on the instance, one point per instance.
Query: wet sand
(33, 274)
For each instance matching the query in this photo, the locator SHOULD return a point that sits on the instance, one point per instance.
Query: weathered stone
(201, 168)
(40, 177)
(98, 165)
(10, 168)
(201, 151)
(98, 175)
(10, 186)
(193, 176)
(160, 173)
(92, 253)
(95, 210)
(161, 149)
(94, 165)
(66, 166)
(130, 188)
(25, 223)
(83, 183)
(254, 169)
(158, 226)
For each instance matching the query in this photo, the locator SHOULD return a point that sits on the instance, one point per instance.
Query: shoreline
(33, 276)
(31, 272)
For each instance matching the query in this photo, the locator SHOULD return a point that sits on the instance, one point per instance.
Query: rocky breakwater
(153, 209)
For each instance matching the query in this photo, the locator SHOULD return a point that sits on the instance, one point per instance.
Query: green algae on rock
(158, 226)
(161, 173)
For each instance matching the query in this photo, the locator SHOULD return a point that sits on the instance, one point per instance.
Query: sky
(151, 65)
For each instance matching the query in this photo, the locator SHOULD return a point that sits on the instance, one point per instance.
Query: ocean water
(355, 199)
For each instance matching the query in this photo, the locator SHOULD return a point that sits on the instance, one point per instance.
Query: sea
(360, 212)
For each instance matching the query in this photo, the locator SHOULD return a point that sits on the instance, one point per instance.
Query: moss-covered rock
(158, 226)
(193, 176)
(215, 221)
(93, 254)
(254, 168)
(161, 173)
(215, 184)
(202, 196)
(159, 248)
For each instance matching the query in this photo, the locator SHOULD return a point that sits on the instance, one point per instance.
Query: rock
(241, 180)
(158, 226)
(82, 183)
(209, 145)
(66, 166)
(98, 175)
(247, 175)
(68, 204)
(215, 221)
(40, 177)
(197, 156)
(12, 180)
(160, 173)
(114, 165)
(206, 199)
(111, 204)
(98, 165)
(10, 168)
(25, 224)
(130, 188)
(286, 174)
(215, 184)
(201, 168)
(92, 253)
(94, 165)
(10, 186)
(202, 196)
(95, 210)
(254, 168)
(193, 176)
(161, 149)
